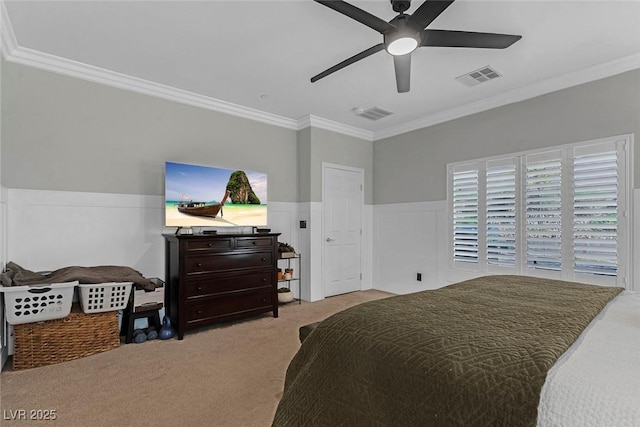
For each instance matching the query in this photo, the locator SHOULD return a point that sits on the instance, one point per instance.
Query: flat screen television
(205, 196)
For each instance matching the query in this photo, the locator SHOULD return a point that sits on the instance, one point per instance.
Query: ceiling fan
(405, 33)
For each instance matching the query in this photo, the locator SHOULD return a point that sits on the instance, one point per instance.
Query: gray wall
(304, 165)
(2, 73)
(322, 145)
(61, 133)
(67, 134)
(2, 67)
(412, 167)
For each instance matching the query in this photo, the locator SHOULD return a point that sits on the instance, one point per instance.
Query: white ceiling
(260, 55)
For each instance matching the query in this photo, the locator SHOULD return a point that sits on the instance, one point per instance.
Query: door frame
(360, 171)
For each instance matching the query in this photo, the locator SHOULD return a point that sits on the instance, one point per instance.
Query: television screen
(204, 196)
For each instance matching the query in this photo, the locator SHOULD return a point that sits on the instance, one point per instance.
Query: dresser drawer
(254, 242)
(212, 308)
(215, 263)
(214, 245)
(207, 285)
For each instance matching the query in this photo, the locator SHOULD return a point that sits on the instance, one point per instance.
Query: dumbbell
(152, 334)
(139, 336)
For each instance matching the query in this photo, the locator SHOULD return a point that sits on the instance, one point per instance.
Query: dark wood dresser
(213, 278)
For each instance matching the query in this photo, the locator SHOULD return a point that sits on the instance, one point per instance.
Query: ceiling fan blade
(447, 38)
(402, 64)
(354, 58)
(359, 15)
(429, 11)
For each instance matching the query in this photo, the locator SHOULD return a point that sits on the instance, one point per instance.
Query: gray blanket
(16, 275)
(475, 353)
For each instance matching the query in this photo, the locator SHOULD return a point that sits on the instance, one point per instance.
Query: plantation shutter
(501, 213)
(595, 212)
(465, 215)
(560, 212)
(543, 188)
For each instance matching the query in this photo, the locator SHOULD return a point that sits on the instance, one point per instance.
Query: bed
(492, 351)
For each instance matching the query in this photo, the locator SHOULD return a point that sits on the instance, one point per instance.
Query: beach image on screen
(204, 196)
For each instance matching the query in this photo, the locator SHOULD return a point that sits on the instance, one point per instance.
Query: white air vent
(476, 77)
(373, 113)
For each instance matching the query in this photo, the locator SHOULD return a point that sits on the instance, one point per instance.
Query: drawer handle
(263, 259)
(199, 264)
(199, 311)
(199, 288)
(264, 279)
(209, 244)
(264, 300)
(254, 242)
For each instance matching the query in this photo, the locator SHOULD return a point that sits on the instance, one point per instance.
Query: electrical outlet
(419, 277)
(303, 224)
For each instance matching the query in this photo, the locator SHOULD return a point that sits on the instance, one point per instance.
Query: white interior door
(342, 201)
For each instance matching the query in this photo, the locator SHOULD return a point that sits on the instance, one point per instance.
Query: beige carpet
(227, 375)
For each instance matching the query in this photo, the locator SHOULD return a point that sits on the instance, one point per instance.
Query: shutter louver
(501, 215)
(465, 216)
(595, 208)
(543, 208)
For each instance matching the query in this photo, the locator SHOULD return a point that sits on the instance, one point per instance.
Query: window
(559, 212)
(501, 214)
(543, 203)
(595, 219)
(465, 216)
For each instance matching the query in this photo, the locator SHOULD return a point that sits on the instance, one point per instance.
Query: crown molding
(586, 75)
(91, 73)
(79, 70)
(8, 37)
(319, 122)
(13, 52)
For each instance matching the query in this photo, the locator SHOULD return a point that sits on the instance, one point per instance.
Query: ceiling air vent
(478, 76)
(373, 113)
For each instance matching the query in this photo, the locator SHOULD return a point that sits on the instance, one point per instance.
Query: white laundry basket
(37, 303)
(96, 298)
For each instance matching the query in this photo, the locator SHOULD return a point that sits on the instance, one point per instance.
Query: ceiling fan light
(405, 38)
(402, 46)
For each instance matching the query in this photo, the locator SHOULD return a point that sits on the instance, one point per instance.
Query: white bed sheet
(597, 381)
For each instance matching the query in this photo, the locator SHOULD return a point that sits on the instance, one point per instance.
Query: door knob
(329, 239)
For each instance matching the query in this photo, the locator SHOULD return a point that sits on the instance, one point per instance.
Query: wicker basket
(61, 340)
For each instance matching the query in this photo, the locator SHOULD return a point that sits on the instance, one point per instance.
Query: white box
(147, 300)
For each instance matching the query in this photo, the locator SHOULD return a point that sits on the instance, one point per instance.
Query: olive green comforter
(475, 353)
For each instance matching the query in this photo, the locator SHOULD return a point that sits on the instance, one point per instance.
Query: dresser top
(215, 235)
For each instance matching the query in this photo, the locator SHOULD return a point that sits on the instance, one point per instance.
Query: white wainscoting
(366, 259)
(311, 248)
(4, 327)
(634, 284)
(53, 229)
(409, 238)
(412, 237)
(45, 230)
